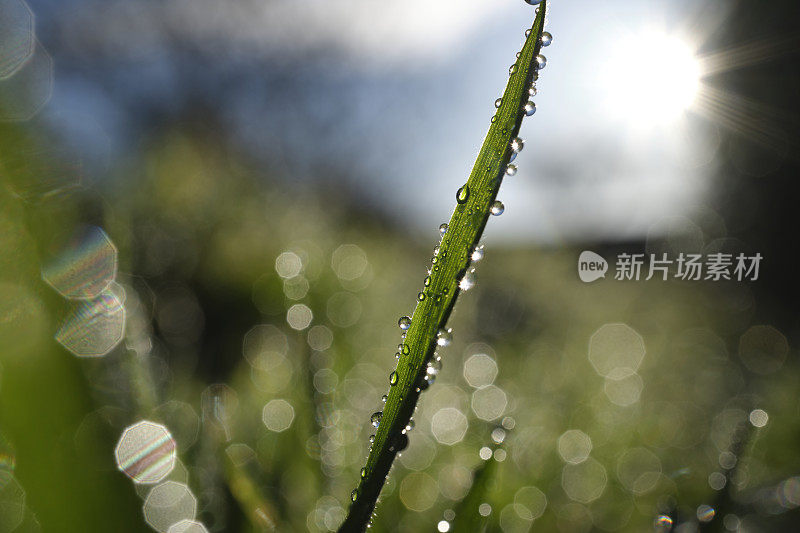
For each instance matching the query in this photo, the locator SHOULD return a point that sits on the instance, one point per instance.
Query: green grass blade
(468, 517)
(449, 266)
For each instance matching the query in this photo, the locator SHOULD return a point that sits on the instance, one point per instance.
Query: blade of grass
(468, 517)
(450, 265)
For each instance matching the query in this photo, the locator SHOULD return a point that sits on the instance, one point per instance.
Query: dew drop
(421, 296)
(530, 108)
(384, 398)
(462, 195)
(404, 323)
(392, 380)
(477, 253)
(354, 495)
(533, 2)
(427, 281)
(363, 473)
(547, 38)
(494, 119)
(467, 280)
(497, 208)
(528, 32)
(375, 420)
(511, 169)
(512, 69)
(532, 90)
(443, 229)
(410, 425)
(401, 443)
(371, 439)
(519, 54)
(517, 145)
(541, 62)
(444, 337)
(404, 349)
(498, 102)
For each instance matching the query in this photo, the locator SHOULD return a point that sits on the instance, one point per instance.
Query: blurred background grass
(219, 240)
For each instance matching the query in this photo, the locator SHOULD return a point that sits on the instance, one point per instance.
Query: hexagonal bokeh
(264, 346)
(449, 425)
(277, 415)
(17, 40)
(25, 93)
(615, 346)
(12, 502)
(584, 482)
(94, 327)
(480, 370)
(574, 446)
(187, 526)
(169, 504)
(639, 469)
(489, 403)
(531, 502)
(85, 266)
(146, 452)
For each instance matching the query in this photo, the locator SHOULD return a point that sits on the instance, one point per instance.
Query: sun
(651, 78)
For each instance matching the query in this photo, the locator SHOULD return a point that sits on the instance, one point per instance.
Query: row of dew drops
(517, 144)
(467, 279)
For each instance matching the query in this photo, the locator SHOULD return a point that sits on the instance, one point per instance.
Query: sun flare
(652, 78)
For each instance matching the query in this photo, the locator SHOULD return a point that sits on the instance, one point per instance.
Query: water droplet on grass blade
(517, 145)
(512, 69)
(511, 170)
(443, 229)
(354, 495)
(541, 62)
(477, 253)
(393, 378)
(547, 38)
(404, 323)
(363, 473)
(444, 337)
(498, 102)
(462, 195)
(533, 2)
(384, 398)
(375, 420)
(532, 90)
(467, 281)
(497, 208)
(530, 108)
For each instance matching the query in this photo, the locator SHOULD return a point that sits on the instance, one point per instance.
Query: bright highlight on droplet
(650, 77)
(146, 452)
